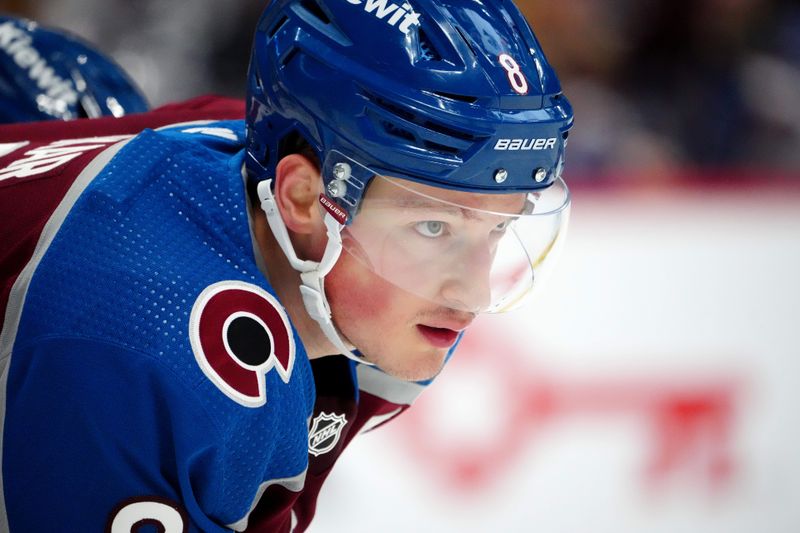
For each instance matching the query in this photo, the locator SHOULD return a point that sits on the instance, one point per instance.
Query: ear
(297, 190)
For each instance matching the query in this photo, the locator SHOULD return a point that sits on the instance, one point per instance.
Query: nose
(467, 287)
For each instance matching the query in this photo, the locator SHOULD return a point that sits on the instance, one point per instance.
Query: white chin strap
(312, 274)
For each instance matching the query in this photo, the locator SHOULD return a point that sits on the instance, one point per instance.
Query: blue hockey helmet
(447, 103)
(48, 74)
(444, 92)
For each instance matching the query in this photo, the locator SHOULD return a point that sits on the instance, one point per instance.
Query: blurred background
(654, 385)
(657, 85)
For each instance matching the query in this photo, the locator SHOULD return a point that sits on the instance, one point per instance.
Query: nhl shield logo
(325, 432)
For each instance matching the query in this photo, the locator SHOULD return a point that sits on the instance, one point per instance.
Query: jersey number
(515, 75)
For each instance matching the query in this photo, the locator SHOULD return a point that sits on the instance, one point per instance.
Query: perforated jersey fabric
(103, 365)
(126, 262)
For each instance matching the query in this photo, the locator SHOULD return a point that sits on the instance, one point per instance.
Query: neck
(285, 281)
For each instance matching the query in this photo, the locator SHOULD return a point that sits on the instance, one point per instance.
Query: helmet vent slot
(426, 49)
(409, 116)
(392, 108)
(441, 148)
(289, 56)
(458, 97)
(450, 132)
(397, 131)
(277, 26)
(313, 7)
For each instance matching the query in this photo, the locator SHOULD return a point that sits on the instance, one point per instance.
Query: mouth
(438, 337)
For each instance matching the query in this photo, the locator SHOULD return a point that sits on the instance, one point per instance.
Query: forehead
(411, 194)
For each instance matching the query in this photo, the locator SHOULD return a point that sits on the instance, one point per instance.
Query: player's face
(405, 334)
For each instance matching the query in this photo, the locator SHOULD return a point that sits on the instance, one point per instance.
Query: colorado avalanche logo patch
(239, 333)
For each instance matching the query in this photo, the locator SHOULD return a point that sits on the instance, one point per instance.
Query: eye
(430, 228)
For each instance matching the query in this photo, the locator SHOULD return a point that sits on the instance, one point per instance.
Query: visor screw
(337, 188)
(501, 175)
(540, 174)
(341, 171)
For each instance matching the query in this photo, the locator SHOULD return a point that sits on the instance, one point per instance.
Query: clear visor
(472, 252)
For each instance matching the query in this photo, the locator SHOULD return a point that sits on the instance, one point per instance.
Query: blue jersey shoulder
(155, 258)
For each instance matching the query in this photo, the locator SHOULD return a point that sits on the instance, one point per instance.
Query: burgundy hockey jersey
(129, 398)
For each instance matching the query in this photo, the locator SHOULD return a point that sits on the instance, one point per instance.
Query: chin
(419, 367)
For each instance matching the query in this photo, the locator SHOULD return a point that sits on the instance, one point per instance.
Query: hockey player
(45, 73)
(201, 315)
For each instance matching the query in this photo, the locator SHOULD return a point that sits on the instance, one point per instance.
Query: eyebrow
(468, 213)
(424, 203)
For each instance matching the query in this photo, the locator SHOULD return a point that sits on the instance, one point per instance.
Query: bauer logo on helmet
(525, 144)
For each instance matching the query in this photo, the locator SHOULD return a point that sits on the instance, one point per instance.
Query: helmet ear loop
(312, 273)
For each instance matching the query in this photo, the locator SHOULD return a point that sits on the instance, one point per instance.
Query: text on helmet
(525, 144)
(18, 46)
(382, 9)
(336, 212)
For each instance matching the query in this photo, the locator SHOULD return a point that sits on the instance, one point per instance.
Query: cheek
(380, 320)
(356, 293)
